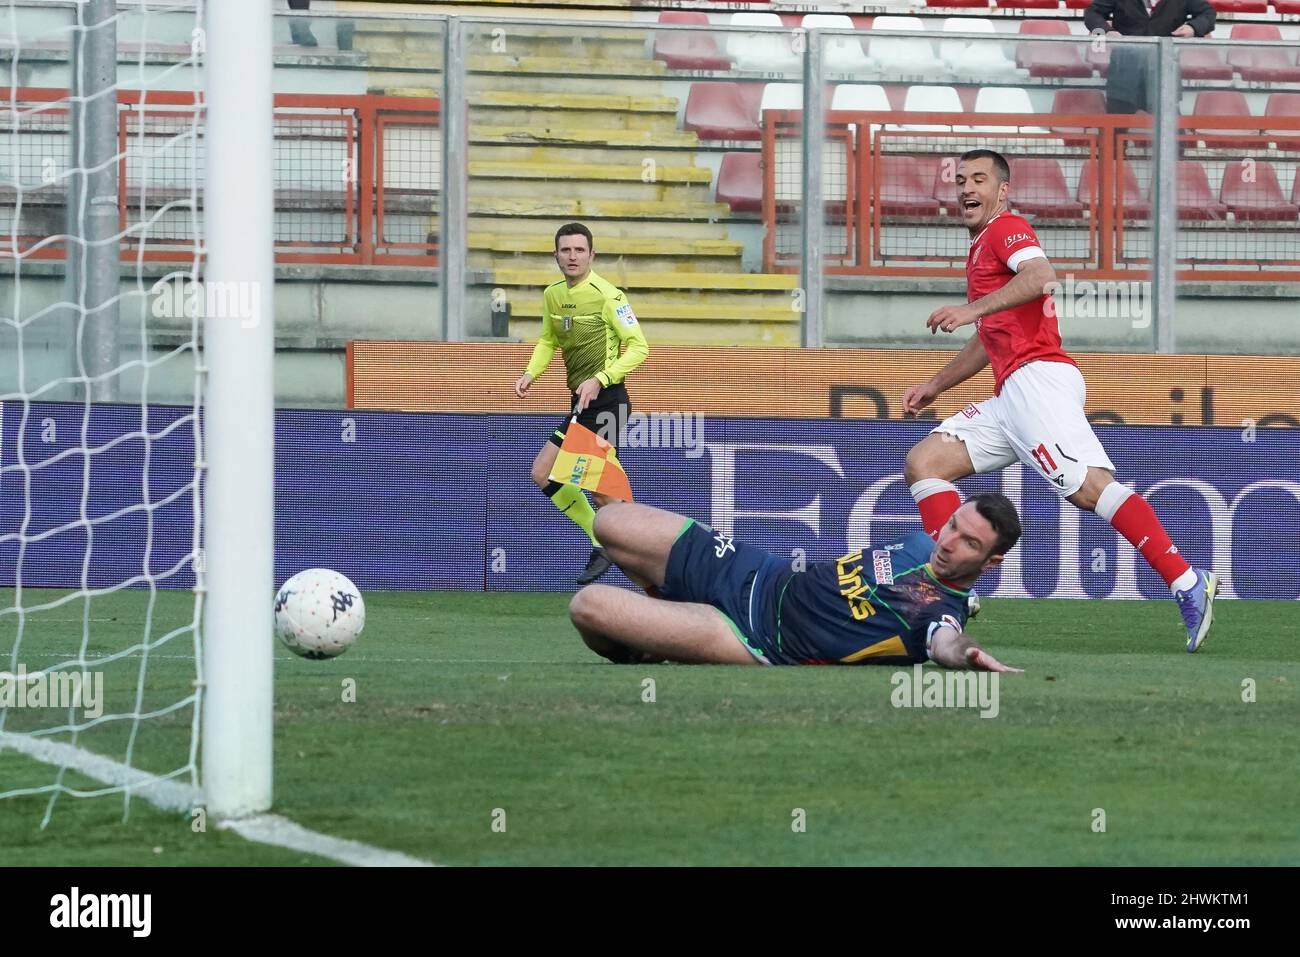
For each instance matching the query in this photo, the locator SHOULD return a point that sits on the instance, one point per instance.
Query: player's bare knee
(920, 464)
(610, 522)
(584, 607)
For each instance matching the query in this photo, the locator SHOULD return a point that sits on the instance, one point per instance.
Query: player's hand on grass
(522, 384)
(980, 660)
(586, 392)
(949, 318)
(917, 397)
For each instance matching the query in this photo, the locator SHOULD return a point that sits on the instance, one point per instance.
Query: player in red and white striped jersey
(1036, 414)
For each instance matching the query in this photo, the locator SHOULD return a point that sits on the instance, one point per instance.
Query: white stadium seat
(910, 56)
(975, 57)
(839, 54)
(762, 52)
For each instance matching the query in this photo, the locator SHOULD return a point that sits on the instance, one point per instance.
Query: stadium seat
(1075, 100)
(839, 54)
(1028, 4)
(931, 99)
(1284, 105)
(781, 96)
(683, 50)
(723, 111)
(1295, 187)
(1039, 189)
(1251, 191)
(909, 56)
(1135, 206)
(1047, 59)
(740, 181)
(983, 4)
(1273, 64)
(905, 186)
(861, 96)
(1286, 6)
(1004, 99)
(945, 190)
(1195, 200)
(983, 58)
(763, 52)
(1077, 4)
(1240, 6)
(1211, 103)
(1203, 63)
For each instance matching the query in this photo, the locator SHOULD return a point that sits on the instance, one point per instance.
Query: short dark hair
(1001, 514)
(575, 229)
(1000, 164)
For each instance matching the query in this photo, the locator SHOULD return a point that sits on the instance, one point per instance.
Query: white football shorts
(1038, 418)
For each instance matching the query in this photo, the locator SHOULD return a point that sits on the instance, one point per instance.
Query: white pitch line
(176, 796)
(273, 829)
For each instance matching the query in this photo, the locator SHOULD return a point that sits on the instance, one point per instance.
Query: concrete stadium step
(584, 43)
(597, 209)
(558, 110)
(651, 307)
(565, 66)
(643, 255)
(655, 183)
(664, 258)
(578, 154)
(566, 83)
(711, 283)
(689, 332)
(525, 227)
(577, 135)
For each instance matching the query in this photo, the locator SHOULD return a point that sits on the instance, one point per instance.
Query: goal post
(237, 582)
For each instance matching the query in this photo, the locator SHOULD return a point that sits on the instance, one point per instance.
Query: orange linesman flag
(588, 461)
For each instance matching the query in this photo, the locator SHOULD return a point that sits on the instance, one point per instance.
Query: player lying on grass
(713, 600)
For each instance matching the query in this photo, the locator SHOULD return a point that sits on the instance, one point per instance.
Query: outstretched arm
(954, 649)
(961, 367)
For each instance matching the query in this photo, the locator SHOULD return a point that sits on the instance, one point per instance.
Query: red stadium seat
(740, 182)
(1212, 103)
(1195, 201)
(724, 111)
(1203, 63)
(1286, 6)
(1295, 188)
(1077, 4)
(1135, 206)
(1028, 4)
(680, 50)
(1251, 191)
(1272, 64)
(1050, 59)
(1038, 189)
(1078, 100)
(905, 186)
(1045, 28)
(945, 190)
(982, 4)
(1240, 6)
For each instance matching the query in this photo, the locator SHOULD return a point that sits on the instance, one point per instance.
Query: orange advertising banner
(1123, 388)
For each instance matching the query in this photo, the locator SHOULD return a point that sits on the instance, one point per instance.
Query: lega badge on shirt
(626, 315)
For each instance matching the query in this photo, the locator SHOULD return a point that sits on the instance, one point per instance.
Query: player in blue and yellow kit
(720, 601)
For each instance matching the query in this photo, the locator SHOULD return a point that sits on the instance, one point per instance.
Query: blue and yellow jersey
(872, 606)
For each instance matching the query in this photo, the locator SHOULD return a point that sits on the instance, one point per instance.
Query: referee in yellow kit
(590, 321)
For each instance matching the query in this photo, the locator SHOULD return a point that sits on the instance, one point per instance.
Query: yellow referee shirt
(590, 323)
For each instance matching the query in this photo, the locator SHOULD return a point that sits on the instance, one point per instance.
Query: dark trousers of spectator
(300, 28)
(1128, 82)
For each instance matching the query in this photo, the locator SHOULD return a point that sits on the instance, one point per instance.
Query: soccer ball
(319, 613)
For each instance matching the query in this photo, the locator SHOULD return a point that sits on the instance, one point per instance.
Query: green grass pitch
(468, 703)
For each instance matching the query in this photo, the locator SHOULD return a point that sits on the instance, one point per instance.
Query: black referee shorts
(606, 415)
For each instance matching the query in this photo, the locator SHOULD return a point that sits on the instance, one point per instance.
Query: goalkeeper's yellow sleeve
(620, 317)
(544, 351)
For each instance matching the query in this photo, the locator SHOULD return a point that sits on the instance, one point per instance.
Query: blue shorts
(739, 580)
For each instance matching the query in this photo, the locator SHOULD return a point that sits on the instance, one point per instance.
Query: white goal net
(104, 133)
